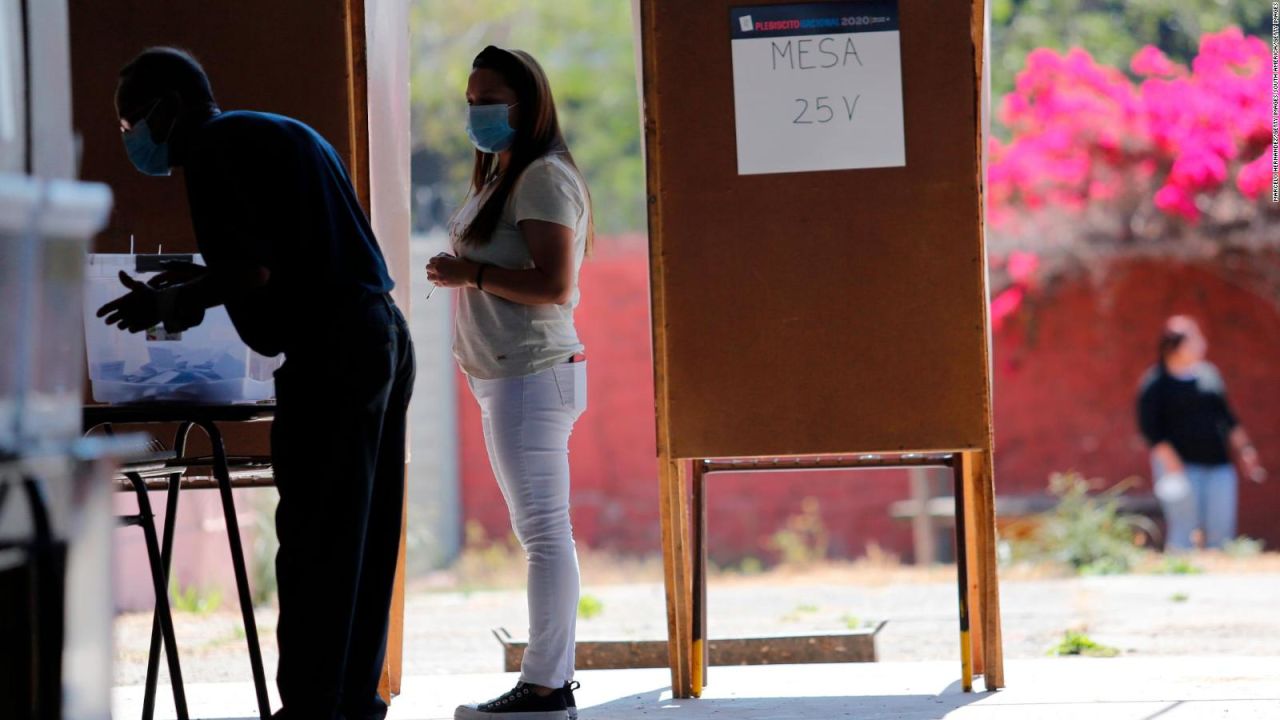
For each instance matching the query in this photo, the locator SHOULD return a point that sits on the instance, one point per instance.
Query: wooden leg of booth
(973, 555)
(698, 534)
(673, 502)
(962, 573)
(992, 649)
(393, 665)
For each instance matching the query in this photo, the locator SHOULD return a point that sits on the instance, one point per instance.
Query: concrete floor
(1185, 688)
(448, 633)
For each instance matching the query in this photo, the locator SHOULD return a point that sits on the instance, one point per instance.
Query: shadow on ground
(863, 707)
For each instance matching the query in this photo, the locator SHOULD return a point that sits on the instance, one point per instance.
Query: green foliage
(262, 555)
(590, 606)
(586, 48)
(853, 622)
(1085, 531)
(1243, 547)
(485, 562)
(193, 600)
(1111, 30)
(1077, 643)
(803, 538)
(800, 612)
(751, 565)
(1179, 597)
(1179, 565)
(1107, 565)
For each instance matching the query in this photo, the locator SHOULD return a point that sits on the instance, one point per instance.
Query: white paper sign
(817, 86)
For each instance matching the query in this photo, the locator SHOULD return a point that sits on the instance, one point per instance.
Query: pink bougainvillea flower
(1104, 190)
(1022, 266)
(1151, 62)
(1006, 303)
(1198, 168)
(1084, 133)
(1174, 200)
(1255, 177)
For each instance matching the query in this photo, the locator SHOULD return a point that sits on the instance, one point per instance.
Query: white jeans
(527, 423)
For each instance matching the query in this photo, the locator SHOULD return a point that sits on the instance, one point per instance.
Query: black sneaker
(521, 703)
(571, 705)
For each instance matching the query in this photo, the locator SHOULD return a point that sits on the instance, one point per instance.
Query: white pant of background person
(527, 423)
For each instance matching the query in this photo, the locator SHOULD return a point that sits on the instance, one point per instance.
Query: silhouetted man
(292, 256)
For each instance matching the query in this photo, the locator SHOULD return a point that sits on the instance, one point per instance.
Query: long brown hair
(537, 135)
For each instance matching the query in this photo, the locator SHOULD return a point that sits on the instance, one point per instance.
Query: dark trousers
(338, 443)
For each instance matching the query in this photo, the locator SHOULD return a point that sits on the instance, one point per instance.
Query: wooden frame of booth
(811, 343)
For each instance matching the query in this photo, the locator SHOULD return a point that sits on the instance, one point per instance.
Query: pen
(433, 287)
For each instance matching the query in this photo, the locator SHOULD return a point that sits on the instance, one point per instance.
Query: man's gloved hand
(176, 272)
(135, 311)
(145, 307)
(176, 314)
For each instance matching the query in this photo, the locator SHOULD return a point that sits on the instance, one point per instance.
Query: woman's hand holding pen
(445, 270)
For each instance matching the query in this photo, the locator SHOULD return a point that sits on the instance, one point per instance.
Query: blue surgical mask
(488, 128)
(149, 156)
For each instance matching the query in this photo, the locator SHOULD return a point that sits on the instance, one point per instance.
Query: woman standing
(1184, 414)
(518, 243)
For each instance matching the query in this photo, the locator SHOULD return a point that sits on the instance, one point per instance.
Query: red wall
(1067, 366)
(1067, 369)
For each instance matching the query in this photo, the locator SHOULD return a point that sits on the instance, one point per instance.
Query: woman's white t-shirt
(496, 338)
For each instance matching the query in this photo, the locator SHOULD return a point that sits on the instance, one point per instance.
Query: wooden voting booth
(340, 66)
(815, 180)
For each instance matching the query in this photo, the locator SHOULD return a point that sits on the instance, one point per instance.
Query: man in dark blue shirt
(291, 254)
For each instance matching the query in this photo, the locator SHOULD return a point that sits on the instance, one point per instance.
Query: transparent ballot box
(208, 364)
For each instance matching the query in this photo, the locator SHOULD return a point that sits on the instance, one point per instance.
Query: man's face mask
(488, 128)
(149, 156)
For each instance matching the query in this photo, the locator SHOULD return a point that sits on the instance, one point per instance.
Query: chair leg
(166, 560)
(962, 574)
(698, 516)
(223, 474)
(166, 557)
(163, 613)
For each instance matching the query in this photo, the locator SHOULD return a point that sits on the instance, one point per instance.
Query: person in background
(1184, 414)
(519, 241)
(293, 257)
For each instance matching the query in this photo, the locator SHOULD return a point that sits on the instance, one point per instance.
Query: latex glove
(134, 311)
(176, 314)
(177, 272)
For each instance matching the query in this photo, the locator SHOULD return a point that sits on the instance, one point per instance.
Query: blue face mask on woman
(149, 156)
(488, 128)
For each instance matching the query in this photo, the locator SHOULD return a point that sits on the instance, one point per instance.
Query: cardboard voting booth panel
(818, 287)
(815, 178)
